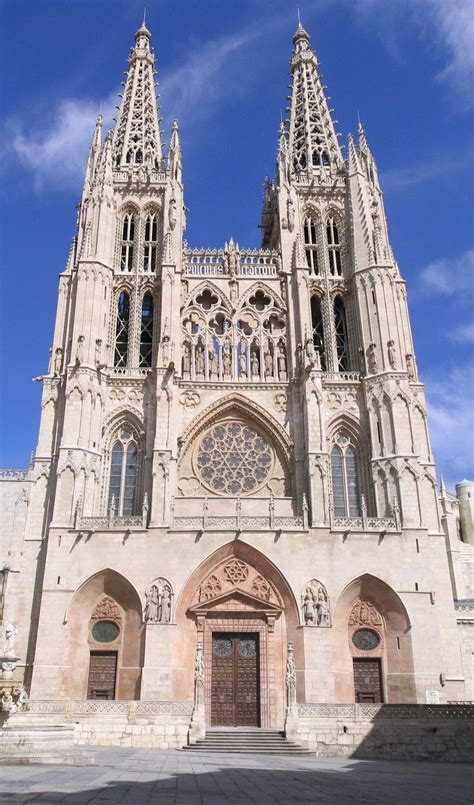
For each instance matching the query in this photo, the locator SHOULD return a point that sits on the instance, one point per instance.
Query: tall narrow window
(334, 251)
(150, 246)
(128, 237)
(310, 247)
(318, 330)
(345, 483)
(123, 474)
(146, 332)
(340, 329)
(121, 330)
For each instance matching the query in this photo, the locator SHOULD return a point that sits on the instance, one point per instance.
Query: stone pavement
(167, 777)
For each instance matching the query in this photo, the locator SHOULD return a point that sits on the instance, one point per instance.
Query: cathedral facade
(232, 504)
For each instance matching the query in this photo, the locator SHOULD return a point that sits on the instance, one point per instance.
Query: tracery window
(340, 328)
(334, 252)
(310, 245)
(122, 329)
(345, 483)
(150, 243)
(123, 474)
(234, 459)
(146, 331)
(248, 344)
(128, 238)
(318, 329)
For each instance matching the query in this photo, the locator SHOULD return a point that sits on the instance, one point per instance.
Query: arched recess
(109, 596)
(237, 409)
(394, 652)
(238, 589)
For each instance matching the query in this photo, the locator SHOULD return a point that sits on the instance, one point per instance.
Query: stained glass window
(345, 483)
(123, 474)
(146, 332)
(234, 459)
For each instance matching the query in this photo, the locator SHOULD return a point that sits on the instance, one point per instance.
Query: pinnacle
(301, 33)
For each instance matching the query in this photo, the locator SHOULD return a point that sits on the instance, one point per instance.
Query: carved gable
(106, 609)
(232, 574)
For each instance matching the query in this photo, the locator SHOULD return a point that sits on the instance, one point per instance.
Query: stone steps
(251, 741)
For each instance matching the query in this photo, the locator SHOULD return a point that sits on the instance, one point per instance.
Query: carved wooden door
(102, 675)
(367, 680)
(235, 683)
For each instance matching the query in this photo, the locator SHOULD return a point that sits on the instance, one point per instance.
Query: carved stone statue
(227, 358)
(200, 360)
(98, 353)
(282, 361)
(172, 214)
(410, 366)
(58, 361)
(151, 607)
(290, 214)
(310, 352)
(290, 677)
(166, 330)
(80, 350)
(243, 360)
(268, 364)
(199, 666)
(392, 354)
(372, 356)
(186, 359)
(316, 610)
(323, 609)
(164, 605)
(254, 365)
(213, 364)
(361, 355)
(309, 607)
(232, 259)
(11, 633)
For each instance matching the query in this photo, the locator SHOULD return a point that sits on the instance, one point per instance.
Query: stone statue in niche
(268, 364)
(290, 677)
(363, 613)
(290, 214)
(58, 362)
(213, 364)
(98, 353)
(227, 358)
(172, 214)
(243, 359)
(410, 366)
(11, 633)
(159, 602)
(186, 360)
(200, 360)
(254, 365)
(80, 350)
(199, 666)
(372, 356)
(310, 352)
(316, 611)
(282, 361)
(232, 255)
(392, 354)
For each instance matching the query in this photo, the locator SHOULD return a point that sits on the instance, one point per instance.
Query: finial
(299, 16)
(144, 17)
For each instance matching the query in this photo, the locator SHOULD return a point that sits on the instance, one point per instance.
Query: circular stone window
(105, 631)
(233, 459)
(365, 639)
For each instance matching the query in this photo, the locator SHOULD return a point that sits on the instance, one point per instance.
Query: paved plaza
(150, 776)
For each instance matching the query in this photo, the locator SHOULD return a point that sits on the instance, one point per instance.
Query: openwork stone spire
(312, 137)
(137, 133)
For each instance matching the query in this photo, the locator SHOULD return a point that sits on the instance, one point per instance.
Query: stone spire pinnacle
(312, 137)
(137, 137)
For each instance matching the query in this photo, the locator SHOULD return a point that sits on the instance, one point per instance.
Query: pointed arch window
(310, 245)
(340, 328)
(146, 331)
(318, 329)
(151, 242)
(334, 248)
(122, 329)
(128, 238)
(345, 480)
(123, 474)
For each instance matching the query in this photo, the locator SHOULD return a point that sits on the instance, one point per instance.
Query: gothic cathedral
(232, 514)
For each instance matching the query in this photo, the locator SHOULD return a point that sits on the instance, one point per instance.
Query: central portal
(235, 682)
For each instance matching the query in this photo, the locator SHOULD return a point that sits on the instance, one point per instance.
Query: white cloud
(449, 276)
(464, 334)
(451, 418)
(400, 178)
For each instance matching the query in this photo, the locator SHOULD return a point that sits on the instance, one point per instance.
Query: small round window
(105, 631)
(365, 639)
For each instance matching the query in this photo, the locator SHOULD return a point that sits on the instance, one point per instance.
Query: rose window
(233, 459)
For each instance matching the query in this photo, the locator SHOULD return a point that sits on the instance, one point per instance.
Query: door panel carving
(367, 680)
(235, 680)
(102, 675)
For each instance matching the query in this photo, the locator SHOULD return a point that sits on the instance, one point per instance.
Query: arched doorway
(105, 640)
(372, 648)
(240, 607)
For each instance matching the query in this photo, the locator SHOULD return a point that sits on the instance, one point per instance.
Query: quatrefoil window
(233, 459)
(260, 301)
(206, 299)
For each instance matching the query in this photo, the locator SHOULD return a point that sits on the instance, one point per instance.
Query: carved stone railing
(89, 707)
(13, 475)
(214, 263)
(237, 523)
(465, 609)
(364, 524)
(341, 377)
(115, 523)
(128, 371)
(361, 712)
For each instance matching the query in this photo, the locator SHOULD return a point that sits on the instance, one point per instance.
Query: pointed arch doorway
(243, 613)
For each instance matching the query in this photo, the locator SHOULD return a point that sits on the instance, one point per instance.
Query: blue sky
(405, 66)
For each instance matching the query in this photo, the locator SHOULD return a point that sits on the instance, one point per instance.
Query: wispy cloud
(449, 276)
(451, 416)
(464, 334)
(410, 176)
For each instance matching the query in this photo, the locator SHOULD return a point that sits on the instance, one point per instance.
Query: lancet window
(123, 481)
(340, 329)
(122, 329)
(345, 480)
(310, 245)
(146, 330)
(334, 248)
(318, 329)
(150, 242)
(248, 345)
(128, 238)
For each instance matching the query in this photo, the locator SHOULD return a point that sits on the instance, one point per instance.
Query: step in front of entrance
(251, 741)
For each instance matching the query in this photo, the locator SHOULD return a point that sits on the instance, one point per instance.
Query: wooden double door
(102, 675)
(368, 680)
(235, 684)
